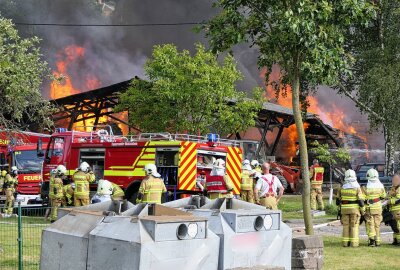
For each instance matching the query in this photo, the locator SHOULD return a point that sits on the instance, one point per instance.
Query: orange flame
(334, 117)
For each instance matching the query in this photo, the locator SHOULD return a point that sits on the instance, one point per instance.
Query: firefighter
(82, 178)
(117, 192)
(351, 200)
(2, 178)
(218, 184)
(56, 191)
(255, 165)
(10, 183)
(265, 189)
(394, 203)
(317, 178)
(374, 192)
(104, 191)
(246, 188)
(68, 192)
(152, 186)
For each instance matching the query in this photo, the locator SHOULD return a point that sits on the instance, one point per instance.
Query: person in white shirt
(265, 190)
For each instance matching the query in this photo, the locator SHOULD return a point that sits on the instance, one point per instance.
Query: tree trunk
(303, 151)
(389, 152)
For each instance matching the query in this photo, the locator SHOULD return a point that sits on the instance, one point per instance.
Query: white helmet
(372, 175)
(350, 176)
(219, 163)
(84, 167)
(246, 165)
(254, 163)
(151, 169)
(104, 187)
(14, 170)
(61, 170)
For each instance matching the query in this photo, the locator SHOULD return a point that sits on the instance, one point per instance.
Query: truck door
(167, 160)
(55, 151)
(95, 158)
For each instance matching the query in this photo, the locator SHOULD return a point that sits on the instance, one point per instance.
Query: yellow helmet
(3, 173)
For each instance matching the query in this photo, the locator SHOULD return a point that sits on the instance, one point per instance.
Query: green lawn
(32, 231)
(291, 206)
(364, 257)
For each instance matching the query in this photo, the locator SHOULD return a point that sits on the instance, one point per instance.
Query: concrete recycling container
(144, 237)
(250, 235)
(109, 206)
(65, 242)
(167, 239)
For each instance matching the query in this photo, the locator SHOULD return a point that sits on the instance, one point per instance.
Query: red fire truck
(20, 149)
(180, 158)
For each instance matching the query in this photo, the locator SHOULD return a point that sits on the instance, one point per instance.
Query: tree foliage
(21, 74)
(305, 38)
(325, 154)
(188, 93)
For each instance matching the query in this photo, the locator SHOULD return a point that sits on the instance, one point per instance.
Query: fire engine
(180, 158)
(19, 149)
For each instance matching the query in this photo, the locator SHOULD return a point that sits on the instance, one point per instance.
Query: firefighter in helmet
(152, 186)
(56, 190)
(374, 192)
(246, 187)
(82, 178)
(10, 184)
(317, 178)
(350, 198)
(394, 203)
(104, 191)
(218, 184)
(255, 165)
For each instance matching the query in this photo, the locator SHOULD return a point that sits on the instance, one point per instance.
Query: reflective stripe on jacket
(318, 175)
(56, 189)
(350, 200)
(394, 195)
(152, 188)
(247, 181)
(82, 181)
(372, 197)
(216, 183)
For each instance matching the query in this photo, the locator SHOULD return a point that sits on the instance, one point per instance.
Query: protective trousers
(217, 195)
(373, 222)
(55, 204)
(247, 195)
(396, 233)
(8, 208)
(316, 196)
(269, 202)
(81, 201)
(350, 222)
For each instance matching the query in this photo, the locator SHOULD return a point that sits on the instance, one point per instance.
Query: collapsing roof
(100, 102)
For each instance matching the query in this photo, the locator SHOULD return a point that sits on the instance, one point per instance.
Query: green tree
(331, 157)
(21, 75)
(304, 37)
(187, 93)
(375, 83)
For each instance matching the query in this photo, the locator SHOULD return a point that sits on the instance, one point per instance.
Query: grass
(291, 206)
(32, 231)
(364, 257)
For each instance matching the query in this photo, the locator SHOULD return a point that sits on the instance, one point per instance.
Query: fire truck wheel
(283, 181)
(132, 192)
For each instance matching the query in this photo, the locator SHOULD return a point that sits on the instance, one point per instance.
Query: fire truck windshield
(27, 161)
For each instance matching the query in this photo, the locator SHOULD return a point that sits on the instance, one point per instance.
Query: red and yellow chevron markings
(234, 167)
(187, 166)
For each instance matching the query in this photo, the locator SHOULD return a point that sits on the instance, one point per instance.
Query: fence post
(20, 262)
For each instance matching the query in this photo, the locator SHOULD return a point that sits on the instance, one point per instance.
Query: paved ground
(329, 227)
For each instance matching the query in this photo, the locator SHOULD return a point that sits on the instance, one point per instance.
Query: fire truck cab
(180, 158)
(19, 149)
